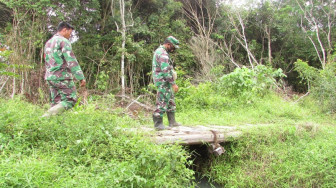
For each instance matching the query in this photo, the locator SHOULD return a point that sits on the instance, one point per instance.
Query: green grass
(279, 156)
(83, 147)
(268, 110)
(285, 144)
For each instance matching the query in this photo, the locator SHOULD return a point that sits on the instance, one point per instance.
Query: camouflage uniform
(163, 80)
(61, 68)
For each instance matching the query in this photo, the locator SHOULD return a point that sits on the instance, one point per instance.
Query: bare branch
(315, 26)
(302, 97)
(4, 84)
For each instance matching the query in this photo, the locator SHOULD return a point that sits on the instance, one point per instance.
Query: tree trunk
(14, 88)
(268, 32)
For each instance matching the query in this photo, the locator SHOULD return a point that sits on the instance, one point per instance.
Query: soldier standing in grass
(61, 69)
(163, 77)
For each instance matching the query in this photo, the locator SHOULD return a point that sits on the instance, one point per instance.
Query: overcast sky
(242, 3)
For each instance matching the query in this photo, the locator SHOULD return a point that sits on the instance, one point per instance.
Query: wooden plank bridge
(194, 135)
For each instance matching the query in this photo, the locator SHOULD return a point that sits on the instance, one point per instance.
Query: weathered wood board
(195, 135)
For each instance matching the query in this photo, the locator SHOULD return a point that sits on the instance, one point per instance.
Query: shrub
(248, 82)
(321, 83)
(239, 87)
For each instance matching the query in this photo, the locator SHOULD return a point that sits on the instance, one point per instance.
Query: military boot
(171, 119)
(54, 110)
(158, 125)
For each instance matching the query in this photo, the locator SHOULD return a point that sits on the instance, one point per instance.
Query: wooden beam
(196, 135)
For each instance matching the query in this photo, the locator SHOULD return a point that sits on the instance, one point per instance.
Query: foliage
(239, 87)
(4, 55)
(83, 148)
(97, 43)
(248, 82)
(202, 96)
(306, 72)
(322, 83)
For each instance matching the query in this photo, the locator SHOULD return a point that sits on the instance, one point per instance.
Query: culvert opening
(202, 156)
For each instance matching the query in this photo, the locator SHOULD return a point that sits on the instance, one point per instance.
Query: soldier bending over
(163, 77)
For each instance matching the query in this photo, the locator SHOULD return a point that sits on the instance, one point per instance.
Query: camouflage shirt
(61, 63)
(162, 69)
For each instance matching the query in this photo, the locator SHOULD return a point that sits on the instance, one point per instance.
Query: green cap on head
(174, 41)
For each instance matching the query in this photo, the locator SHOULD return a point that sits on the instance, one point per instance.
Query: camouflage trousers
(164, 99)
(63, 92)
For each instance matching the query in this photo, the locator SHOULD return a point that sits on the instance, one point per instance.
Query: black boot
(171, 119)
(158, 125)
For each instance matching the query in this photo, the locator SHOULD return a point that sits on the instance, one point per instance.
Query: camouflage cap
(174, 41)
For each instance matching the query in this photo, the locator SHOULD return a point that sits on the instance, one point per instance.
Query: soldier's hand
(82, 83)
(175, 88)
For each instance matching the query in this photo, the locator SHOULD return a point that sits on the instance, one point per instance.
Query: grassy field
(287, 144)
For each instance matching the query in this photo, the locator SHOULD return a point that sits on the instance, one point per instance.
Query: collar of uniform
(162, 46)
(59, 35)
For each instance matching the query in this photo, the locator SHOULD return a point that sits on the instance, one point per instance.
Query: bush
(239, 87)
(246, 82)
(321, 83)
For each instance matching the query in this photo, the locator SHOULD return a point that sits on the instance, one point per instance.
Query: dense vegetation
(284, 144)
(266, 67)
(216, 37)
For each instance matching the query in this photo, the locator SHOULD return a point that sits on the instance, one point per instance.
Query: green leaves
(249, 82)
(321, 83)
(4, 65)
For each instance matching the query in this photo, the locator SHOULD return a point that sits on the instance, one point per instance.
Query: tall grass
(279, 156)
(269, 109)
(83, 147)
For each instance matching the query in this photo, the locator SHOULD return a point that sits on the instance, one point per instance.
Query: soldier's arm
(71, 61)
(166, 68)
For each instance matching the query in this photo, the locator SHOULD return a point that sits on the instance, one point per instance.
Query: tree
(317, 21)
(202, 15)
(123, 32)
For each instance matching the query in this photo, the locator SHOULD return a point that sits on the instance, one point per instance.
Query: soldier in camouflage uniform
(163, 77)
(61, 69)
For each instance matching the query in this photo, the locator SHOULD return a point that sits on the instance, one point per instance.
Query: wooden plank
(195, 135)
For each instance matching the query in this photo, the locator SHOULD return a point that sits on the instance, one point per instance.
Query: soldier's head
(65, 29)
(171, 43)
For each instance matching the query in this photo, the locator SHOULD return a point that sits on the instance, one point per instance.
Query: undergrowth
(83, 147)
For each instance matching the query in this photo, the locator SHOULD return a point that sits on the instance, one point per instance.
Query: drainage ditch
(202, 157)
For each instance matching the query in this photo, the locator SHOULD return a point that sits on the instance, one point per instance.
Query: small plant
(102, 81)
